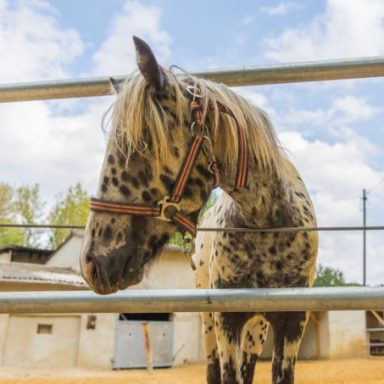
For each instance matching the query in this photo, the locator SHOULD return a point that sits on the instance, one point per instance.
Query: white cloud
(280, 9)
(41, 142)
(55, 151)
(336, 173)
(117, 54)
(257, 98)
(346, 29)
(32, 41)
(341, 112)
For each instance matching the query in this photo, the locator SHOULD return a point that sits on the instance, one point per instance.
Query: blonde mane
(138, 118)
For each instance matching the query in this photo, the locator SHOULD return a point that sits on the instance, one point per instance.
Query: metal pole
(364, 237)
(271, 74)
(196, 300)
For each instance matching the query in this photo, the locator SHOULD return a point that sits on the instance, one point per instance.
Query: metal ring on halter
(191, 89)
(193, 125)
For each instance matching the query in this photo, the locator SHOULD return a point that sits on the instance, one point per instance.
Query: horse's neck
(264, 202)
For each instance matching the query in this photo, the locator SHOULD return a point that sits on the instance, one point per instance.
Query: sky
(332, 131)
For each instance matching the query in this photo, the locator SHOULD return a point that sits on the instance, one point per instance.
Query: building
(95, 340)
(117, 340)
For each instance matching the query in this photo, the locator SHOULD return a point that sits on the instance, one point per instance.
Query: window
(44, 328)
(91, 322)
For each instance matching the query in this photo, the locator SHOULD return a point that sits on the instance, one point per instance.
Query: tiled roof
(22, 272)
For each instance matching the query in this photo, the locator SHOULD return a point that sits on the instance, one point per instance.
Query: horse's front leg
(288, 330)
(228, 327)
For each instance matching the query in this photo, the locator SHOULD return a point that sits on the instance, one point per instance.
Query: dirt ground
(352, 371)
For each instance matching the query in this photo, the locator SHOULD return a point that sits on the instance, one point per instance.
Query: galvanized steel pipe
(258, 75)
(196, 300)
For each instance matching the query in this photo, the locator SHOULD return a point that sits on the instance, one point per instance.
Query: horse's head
(153, 139)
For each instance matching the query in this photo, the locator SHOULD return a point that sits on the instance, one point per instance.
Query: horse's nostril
(95, 273)
(92, 271)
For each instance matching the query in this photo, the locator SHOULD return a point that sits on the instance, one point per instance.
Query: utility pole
(364, 237)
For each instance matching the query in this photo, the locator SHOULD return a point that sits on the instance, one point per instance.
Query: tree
(29, 208)
(72, 209)
(186, 240)
(9, 236)
(329, 277)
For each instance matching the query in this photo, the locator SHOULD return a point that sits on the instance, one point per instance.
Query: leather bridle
(168, 208)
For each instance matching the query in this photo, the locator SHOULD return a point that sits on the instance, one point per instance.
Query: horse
(173, 139)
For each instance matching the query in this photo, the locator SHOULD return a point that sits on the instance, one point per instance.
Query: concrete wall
(41, 340)
(96, 345)
(5, 257)
(187, 338)
(67, 256)
(347, 337)
(3, 334)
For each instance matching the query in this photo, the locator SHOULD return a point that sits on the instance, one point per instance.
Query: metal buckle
(164, 205)
(194, 91)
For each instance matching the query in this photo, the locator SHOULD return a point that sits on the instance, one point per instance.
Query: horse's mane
(139, 118)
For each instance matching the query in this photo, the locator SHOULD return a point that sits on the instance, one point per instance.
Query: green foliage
(9, 236)
(29, 208)
(72, 209)
(186, 241)
(24, 206)
(329, 277)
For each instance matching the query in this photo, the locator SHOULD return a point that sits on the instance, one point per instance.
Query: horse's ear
(115, 85)
(148, 65)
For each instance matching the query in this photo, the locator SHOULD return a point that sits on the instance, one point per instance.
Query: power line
(376, 186)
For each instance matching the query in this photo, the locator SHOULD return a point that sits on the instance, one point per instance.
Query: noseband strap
(168, 209)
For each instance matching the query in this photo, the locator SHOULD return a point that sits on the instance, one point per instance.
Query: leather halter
(168, 209)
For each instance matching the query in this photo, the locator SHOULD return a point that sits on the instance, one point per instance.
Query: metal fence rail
(217, 229)
(196, 300)
(257, 75)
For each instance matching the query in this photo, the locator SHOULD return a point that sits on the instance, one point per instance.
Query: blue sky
(333, 131)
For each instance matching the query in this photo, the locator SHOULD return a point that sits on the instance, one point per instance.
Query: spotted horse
(172, 140)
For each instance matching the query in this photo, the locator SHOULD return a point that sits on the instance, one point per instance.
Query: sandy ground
(353, 371)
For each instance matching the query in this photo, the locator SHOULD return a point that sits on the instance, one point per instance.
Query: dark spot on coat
(125, 176)
(203, 171)
(203, 195)
(146, 196)
(115, 181)
(124, 190)
(111, 159)
(167, 170)
(135, 182)
(167, 181)
(107, 235)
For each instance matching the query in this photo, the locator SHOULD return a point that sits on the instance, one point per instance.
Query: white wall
(25, 346)
(68, 255)
(187, 338)
(96, 345)
(5, 257)
(347, 337)
(3, 334)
